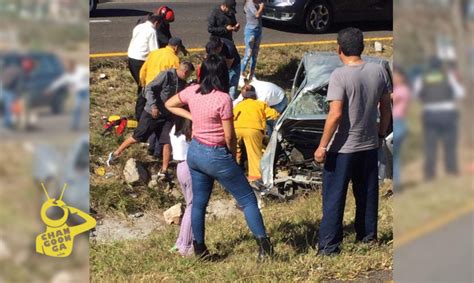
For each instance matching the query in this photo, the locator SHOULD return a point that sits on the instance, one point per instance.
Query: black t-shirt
(229, 51)
(218, 21)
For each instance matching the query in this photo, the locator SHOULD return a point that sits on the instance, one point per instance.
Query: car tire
(318, 17)
(92, 6)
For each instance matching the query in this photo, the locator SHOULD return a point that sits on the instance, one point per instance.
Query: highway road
(112, 24)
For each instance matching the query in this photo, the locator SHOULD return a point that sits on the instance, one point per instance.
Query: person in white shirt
(180, 137)
(77, 78)
(272, 95)
(143, 41)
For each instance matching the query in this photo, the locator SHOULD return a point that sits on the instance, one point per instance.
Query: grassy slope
(292, 225)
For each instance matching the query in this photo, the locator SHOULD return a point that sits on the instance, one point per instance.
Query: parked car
(287, 164)
(46, 69)
(93, 5)
(316, 16)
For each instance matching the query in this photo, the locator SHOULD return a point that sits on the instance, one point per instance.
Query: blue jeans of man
(253, 38)
(82, 101)
(399, 133)
(234, 74)
(210, 163)
(8, 99)
(440, 126)
(339, 169)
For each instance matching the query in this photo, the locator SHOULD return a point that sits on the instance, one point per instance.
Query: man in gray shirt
(350, 141)
(156, 119)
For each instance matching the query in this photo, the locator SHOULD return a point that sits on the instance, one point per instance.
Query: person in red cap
(163, 32)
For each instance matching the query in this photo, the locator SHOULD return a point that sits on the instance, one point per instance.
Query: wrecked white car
(287, 164)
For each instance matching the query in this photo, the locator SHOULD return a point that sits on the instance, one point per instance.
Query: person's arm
(229, 62)
(143, 72)
(213, 28)
(155, 86)
(270, 113)
(58, 83)
(229, 134)
(458, 89)
(330, 127)
(259, 12)
(385, 111)
(153, 42)
(175, 106)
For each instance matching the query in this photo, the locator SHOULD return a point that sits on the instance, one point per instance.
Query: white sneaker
(110, 159)
(241, 81)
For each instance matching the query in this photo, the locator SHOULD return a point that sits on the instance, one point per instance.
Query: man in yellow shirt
(250, 117)
(158, 61)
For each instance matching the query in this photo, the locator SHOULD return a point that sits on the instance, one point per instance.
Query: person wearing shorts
(155, 119)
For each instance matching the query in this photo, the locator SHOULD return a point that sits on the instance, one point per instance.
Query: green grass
(293, 228)
(292, 225)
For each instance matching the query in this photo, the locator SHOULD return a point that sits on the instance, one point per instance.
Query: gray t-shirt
(251, 9)
(361, 88)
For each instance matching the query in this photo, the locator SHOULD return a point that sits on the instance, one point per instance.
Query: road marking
(414, 234)
(268, 45)
(100, 21)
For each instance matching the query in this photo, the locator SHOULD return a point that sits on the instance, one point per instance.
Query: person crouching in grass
(250, 119)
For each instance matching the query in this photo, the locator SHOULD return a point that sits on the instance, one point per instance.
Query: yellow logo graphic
(58, 239)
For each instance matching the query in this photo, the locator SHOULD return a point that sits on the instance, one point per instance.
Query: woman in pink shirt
(211, 154)
(401, 99)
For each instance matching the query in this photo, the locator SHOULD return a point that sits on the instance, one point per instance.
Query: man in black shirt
(222, 21)
(226, 48)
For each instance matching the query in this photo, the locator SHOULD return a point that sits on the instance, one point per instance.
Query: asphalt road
(112, 23)
(445, 255)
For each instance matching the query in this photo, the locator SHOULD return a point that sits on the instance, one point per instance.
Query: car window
(310, 102)
(45, 65)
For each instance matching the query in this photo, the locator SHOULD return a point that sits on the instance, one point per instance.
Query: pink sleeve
(226, 108)
(184, 96)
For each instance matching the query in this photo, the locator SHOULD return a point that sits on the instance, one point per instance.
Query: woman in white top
(180, 137)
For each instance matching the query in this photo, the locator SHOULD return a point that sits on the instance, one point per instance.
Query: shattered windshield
(310, 102)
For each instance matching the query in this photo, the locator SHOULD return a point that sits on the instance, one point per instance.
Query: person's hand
(229, 28)
(261, 5)
(320, 154)
(237, 27)
(155, 112)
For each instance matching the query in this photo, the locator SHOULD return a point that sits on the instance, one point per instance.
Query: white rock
(378, 46)
(62, 277)
(173, 214)
(135, 173)
(4, 250)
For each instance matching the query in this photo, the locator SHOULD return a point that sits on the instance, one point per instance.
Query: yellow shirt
(156, 62)
(253, 114)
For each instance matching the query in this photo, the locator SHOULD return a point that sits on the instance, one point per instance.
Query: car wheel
(92, 5)
(318, 17)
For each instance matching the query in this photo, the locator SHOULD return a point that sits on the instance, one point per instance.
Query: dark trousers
(339, 169)
(440, 126)
(134, 66)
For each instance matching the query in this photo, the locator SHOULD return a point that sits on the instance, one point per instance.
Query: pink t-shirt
(401, 99)
(207, 112)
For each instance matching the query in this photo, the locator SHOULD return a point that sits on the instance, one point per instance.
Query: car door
(348, 10)
(379, 10)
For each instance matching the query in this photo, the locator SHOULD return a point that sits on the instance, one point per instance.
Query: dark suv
(316, 16)
(46, 69)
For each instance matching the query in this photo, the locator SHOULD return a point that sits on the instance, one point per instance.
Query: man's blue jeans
(8, 99)
(209, 163)
(82, 100)
(234, 75)
(339, 169)
(253, 38)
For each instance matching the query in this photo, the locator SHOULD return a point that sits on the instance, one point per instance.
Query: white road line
(100, 21)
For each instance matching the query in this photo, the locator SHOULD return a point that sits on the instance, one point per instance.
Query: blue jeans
(399, 133)
(234, 74)
(339, 169)
(82, 100)
(253, 37)
(280, 107)
(209, 163)
(8, 99)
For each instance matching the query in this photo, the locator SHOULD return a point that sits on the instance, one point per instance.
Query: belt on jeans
(208, 145)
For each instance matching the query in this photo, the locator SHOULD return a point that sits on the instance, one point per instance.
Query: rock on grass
(135, 173)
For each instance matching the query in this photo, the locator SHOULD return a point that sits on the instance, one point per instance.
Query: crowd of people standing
(226, 122)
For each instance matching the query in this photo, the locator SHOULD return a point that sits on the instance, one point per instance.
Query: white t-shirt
(143, 41)
(180, 146)
(78, 80)
(267, 92)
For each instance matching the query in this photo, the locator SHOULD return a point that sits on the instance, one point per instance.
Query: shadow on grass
(301, 235)
(284, 75)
